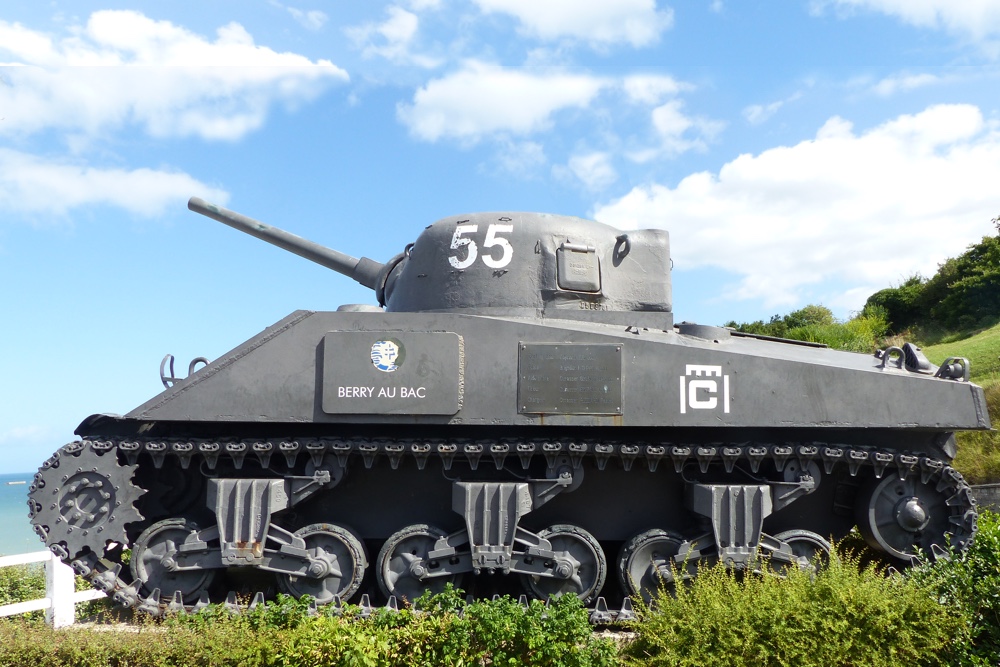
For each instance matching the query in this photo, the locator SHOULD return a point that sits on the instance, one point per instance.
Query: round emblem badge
(387, 355)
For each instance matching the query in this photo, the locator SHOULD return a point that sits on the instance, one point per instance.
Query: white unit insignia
(701, 391)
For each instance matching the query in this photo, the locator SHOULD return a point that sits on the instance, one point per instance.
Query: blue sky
(807, 151)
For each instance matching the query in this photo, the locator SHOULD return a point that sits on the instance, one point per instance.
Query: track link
(83, 498)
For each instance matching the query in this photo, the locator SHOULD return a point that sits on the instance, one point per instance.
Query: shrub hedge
(940, 613)
(282, 634)
(971, 581)
(846, 614)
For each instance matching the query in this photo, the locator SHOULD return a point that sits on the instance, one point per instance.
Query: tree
(903, 304)
(811, 315)
(781, 327)
(966, 289)
(962, 295)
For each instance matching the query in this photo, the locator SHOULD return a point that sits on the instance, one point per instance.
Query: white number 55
(460, 240)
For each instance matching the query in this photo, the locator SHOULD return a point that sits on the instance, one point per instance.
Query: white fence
(60, 598)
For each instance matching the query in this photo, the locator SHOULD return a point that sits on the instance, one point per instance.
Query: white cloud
(978, 20)
(651, 88)
(676, 132)
(518, 158)
(392, 39)
(760, 113)
(312, 19)
(124, 68)
(903, 83)
(637, 22)
(859, 209)
(37, 185)
(483, 99)
(594, 170)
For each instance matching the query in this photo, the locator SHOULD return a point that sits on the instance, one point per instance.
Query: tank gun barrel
(365, 271)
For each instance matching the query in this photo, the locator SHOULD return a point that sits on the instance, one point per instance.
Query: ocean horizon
(16, 534)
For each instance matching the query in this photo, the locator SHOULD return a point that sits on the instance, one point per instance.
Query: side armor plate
(392, 372)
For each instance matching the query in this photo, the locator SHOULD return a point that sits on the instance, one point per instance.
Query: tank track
(80, 505)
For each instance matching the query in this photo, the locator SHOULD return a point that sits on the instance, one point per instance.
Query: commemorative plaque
(569, 379)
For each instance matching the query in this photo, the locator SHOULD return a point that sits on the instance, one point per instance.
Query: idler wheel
(903, 517)
(339, 564)
(402, 566)
(645, 562)
(153, 558)
(580, 565)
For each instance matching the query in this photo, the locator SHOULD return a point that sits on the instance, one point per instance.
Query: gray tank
(519, 415)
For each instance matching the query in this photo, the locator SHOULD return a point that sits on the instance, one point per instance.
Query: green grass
(982, 350)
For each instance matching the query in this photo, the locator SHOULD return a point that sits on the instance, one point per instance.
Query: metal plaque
(569, 379)
(392, 372)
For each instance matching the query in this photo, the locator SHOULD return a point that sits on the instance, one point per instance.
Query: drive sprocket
(82, 499)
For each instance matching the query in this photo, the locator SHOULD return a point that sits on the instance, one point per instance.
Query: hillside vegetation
(816, 324)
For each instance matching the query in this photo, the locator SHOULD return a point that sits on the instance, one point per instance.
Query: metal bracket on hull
(738, 511)
(492, 513)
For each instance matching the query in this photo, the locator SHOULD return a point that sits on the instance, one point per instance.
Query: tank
(520, 414)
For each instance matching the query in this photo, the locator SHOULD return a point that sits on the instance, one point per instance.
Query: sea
(16, 535)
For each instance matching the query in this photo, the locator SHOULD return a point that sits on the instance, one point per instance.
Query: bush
(20, 583)
(23, 582)
(971, 582)
(449, 632)
(845, 615)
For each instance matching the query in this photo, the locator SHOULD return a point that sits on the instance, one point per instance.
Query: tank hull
(396, 443)
(295, 370)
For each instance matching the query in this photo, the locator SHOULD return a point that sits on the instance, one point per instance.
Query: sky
(806, 151)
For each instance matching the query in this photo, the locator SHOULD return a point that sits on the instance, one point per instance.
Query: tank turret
(505, 263)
